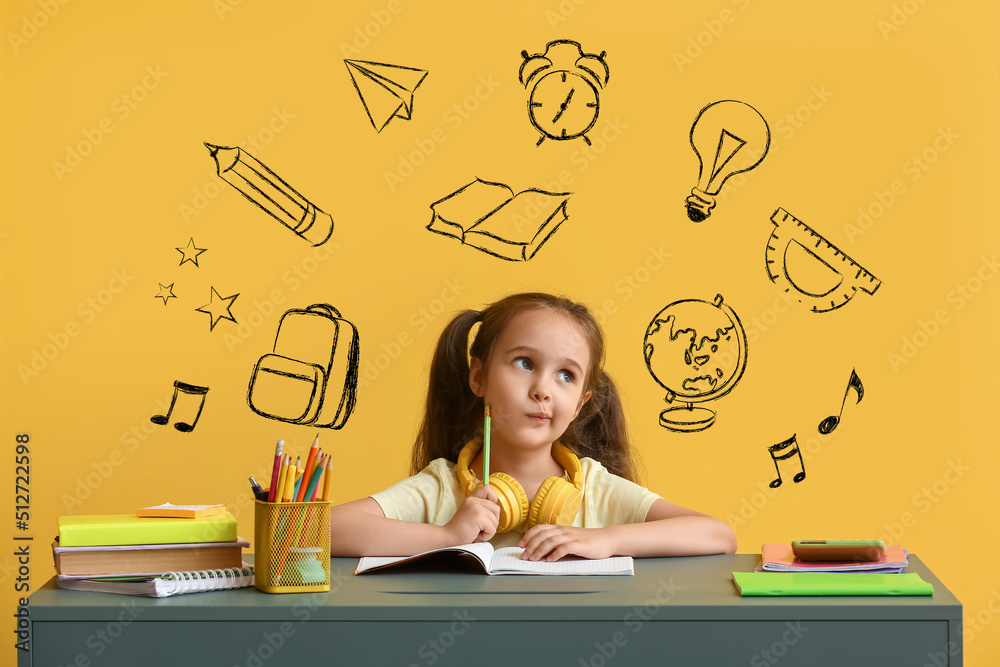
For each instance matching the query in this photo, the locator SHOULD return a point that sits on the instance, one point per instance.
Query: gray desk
(674, 611)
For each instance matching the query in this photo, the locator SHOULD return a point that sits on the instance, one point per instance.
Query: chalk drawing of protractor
(796, 249)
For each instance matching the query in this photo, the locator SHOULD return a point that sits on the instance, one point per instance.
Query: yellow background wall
(883, 118)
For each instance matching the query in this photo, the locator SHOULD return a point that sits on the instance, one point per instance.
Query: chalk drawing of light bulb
(728, 137)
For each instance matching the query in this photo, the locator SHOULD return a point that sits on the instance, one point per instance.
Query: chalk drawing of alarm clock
(565, 82)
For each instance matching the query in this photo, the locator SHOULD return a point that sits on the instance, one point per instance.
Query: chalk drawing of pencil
(271, 193)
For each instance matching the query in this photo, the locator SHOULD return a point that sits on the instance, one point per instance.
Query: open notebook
(507, 560)
(163, 585)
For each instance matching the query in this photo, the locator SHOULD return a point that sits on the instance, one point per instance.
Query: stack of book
(781, 573)
(156, 552)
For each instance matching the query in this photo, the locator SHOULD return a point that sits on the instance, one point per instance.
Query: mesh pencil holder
(292, 547)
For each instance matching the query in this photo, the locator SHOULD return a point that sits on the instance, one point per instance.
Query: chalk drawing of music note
(782, 451)
(830, 423)
(183, 388)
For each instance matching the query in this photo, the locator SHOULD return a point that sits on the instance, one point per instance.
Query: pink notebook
(779, 558)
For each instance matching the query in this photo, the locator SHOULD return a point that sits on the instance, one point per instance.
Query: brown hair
(453, 413)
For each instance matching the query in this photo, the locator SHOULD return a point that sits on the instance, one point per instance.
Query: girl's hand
(477, 518)
(551, 542)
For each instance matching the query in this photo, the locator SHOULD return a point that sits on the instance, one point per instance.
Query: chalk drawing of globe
(697, 351)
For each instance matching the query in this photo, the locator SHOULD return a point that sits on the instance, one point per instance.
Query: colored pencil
(289, 490)
(312, 482)
(326, 479)
(486, 448)
(279, 448)
(300, 496)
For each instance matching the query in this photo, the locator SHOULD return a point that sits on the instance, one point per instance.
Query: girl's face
(535, 379)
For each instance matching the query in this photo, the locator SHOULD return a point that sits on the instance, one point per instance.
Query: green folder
(829, 583)
(122, 529)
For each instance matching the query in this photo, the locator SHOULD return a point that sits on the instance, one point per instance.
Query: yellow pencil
(282, 474)
(298, 476)
(328, 473)
(289, 490)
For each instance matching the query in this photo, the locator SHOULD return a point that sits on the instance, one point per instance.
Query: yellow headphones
(557, 501)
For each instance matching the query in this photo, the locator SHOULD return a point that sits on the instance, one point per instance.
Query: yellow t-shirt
(433, 496)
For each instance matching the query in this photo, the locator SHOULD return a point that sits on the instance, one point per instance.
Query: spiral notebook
(163, 585)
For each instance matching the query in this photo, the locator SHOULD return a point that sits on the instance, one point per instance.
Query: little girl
(561, 469)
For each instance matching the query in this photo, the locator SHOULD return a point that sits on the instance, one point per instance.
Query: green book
(120, 529)
(829, 583)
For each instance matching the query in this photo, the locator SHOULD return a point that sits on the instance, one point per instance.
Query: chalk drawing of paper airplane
(490, 217)
(385, 90)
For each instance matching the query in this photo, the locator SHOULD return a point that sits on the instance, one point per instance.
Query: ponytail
(600, 431)
(450, 414)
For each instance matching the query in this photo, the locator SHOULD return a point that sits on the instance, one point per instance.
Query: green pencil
(486, 448)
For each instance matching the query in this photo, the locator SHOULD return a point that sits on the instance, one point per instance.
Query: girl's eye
(522, 363)
(565, 376)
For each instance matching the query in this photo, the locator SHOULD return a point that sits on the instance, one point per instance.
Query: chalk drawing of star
(166, 292)
(218, 308)
(189, 253)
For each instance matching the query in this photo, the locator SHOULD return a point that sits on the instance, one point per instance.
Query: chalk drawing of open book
(490, 217)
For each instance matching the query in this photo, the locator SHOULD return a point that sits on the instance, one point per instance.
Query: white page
(508, 560)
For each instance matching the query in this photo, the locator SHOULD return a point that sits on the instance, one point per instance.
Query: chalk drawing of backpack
(311, 377)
